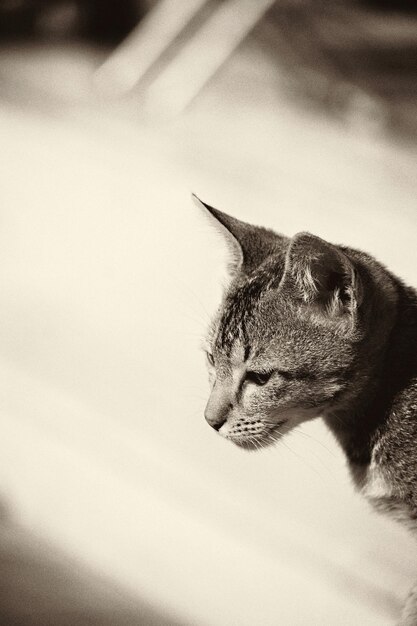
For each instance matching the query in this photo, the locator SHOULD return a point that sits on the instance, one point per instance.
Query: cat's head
(282, 346)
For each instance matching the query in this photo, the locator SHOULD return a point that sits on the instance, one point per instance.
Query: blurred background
(119, 505)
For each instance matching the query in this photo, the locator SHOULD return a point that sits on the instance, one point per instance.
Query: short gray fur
(307, 329)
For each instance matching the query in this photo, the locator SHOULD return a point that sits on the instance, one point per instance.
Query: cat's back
(390, 482)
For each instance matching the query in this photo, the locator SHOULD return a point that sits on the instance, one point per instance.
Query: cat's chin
(264, 441)
(250, 446)
(253, 446)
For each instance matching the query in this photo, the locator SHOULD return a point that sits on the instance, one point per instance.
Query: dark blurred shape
(41, 587)
(355, 59)
(408, 6)
(110, 21)
(103, 21)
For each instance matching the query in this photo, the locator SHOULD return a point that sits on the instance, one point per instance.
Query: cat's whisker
(177, 279)
(186, 333)
(341, 421)
(194, 318)
(299, 431)
(277, 437)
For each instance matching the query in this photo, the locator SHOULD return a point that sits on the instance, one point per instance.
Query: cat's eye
(258, 378)
(300, 374)
(286, 375)
(210, 358)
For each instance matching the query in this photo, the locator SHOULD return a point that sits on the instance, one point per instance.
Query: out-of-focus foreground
(121, 505)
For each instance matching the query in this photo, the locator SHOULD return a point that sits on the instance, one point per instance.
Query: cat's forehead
(255, 321)
(240, 308)
(249, 314)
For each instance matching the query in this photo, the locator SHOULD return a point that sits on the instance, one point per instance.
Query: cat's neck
(389, 369)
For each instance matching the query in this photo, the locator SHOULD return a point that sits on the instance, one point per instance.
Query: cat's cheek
(290, 418)
(322, 394)
(254, 399)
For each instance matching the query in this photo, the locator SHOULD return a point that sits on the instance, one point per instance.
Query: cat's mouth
(274, 429)
(262, 440)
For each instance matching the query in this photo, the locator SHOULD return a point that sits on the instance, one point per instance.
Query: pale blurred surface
(108, 275)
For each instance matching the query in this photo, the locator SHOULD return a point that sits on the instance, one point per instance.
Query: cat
(310, 329)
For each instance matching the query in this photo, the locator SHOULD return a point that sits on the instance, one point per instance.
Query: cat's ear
(321, 275)
(249, 245)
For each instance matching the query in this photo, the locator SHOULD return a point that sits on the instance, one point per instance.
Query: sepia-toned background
(119, 505)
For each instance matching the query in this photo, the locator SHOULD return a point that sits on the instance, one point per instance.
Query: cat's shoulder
(389, 482)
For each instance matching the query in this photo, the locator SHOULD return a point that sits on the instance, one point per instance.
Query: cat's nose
(216, 412)
(215, 422)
